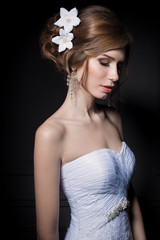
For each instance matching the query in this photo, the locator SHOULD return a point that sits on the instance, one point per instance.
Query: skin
(78, 121)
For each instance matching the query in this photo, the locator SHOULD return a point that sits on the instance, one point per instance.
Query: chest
(84, 138)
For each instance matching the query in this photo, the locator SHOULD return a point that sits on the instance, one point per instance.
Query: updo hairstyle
(98, 32)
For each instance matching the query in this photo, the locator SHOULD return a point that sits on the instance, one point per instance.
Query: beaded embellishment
(121, 207)
(103, 220)
(72, 83)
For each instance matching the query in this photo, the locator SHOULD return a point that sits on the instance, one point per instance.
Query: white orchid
(63, 40)
(68, 19)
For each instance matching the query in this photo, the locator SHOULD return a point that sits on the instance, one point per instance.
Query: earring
(72, 83)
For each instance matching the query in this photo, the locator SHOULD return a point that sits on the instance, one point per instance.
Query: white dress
(96, 185)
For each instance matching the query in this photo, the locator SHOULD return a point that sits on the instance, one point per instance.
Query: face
(103, 72)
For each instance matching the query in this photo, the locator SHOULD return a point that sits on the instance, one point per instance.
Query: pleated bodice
(96, 185)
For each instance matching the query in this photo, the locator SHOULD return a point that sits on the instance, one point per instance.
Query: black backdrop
(34, 89)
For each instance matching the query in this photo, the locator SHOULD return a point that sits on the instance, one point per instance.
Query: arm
(136, 219)
(47, 177)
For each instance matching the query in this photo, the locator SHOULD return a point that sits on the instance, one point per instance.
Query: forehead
(117, 55)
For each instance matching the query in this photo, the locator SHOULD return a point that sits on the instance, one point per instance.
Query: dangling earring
(72, 83)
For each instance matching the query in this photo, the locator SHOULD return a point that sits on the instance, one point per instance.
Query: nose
(113, 74)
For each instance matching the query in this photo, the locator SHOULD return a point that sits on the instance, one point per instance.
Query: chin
(102, 97)
(99, 95)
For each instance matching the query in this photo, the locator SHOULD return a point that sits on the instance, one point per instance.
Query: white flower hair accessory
(64, 40)
(68, 20)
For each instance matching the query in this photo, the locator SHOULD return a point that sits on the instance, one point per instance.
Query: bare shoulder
(49, 139)
(51, 129)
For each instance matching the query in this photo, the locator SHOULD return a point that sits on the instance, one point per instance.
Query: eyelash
(103, 64)
(119, 66)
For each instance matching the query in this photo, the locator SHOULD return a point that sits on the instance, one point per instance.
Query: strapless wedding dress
(96, 185)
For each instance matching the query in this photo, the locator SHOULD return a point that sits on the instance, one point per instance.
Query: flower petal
(60, 22)
(68, 27)
(70, 36)
(63, 12)
(69, 45)
(73, 12)
(76, 21)
(62, 32)
(62, 47)
(56, 39)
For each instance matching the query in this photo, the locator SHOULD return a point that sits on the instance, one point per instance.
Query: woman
(81, 145)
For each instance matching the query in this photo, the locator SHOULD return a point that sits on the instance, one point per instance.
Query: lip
(107, 89)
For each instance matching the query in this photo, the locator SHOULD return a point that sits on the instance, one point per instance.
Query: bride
(81, 146)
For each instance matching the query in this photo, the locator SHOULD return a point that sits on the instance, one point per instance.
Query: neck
(81, 105)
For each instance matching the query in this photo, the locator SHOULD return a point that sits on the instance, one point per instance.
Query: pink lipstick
(107, 89)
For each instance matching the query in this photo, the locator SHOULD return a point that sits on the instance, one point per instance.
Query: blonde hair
(99, 31)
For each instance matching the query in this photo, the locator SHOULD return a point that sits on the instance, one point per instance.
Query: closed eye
(103, 62)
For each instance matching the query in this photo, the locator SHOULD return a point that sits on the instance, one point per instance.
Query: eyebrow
(112, 58)
(105, 55)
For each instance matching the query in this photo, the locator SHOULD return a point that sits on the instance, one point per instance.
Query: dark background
(34, 89)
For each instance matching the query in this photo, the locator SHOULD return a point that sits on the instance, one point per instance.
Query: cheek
(96, 72)
(80, 73)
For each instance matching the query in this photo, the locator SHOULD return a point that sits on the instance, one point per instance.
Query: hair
(99, 31)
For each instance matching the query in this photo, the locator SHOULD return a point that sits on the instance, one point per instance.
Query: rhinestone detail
(121, 207)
